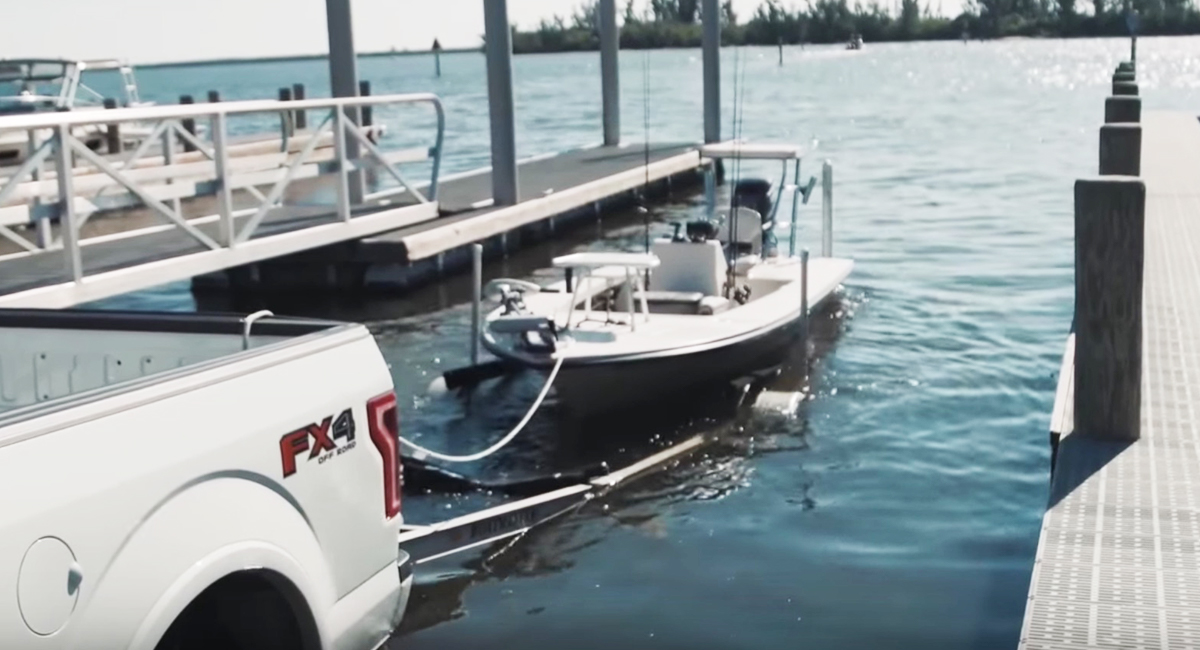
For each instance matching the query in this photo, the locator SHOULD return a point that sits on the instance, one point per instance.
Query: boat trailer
(425, 543)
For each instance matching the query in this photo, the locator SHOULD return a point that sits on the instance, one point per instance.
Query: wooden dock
(554, 191)
(1117, 564)
(277, 220)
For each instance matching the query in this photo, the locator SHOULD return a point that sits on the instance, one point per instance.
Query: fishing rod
(644, 207)
(646, 147)
(739, 92)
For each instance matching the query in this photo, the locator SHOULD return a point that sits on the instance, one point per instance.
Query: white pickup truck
(167, 481)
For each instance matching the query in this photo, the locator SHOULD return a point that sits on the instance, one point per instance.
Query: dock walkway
(1117, 563)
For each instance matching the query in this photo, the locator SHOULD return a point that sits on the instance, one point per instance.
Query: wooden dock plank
(1117, 562)
(548, 187)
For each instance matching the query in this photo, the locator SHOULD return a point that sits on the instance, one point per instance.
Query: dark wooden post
(1109, 252)
(1123, 109)
(214, 96)
(368, 115)
(1121, 150)
(112, 132)
(364, 90)
(1124, 88)
(189, 124)
(301, 116)
(286, 127)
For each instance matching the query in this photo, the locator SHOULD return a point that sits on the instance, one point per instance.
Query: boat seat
(674, 297)
(688, 267)
(749, 231)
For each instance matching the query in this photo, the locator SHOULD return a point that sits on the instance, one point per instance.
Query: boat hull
(585, 389)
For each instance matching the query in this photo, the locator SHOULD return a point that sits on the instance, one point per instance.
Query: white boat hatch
(753, 151)
(595, 260)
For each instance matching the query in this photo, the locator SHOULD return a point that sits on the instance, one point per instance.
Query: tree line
(676, 23)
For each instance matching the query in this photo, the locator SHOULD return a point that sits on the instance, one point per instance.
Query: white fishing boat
(721, 301)
(45, 85)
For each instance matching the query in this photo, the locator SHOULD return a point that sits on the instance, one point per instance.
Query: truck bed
(48, 357)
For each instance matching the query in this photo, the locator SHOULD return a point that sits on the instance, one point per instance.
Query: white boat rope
(423, 452)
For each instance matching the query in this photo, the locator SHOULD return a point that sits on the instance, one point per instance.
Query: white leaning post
(827, 209)
(804, 296)
(66, 197)
(476, 298)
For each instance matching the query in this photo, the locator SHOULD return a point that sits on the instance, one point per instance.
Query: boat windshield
(33, 85)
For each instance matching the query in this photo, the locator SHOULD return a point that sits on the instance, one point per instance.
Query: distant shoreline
(293, 57)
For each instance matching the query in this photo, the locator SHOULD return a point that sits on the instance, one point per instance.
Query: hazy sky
(145, 31)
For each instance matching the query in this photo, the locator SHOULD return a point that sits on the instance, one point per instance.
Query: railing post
(827, 209)
(610, 89)
(112, 132)
(227, 234)
(1123, 109)
(498, 48)
(42, 227)
(301, 115)
(1109, 256)
(66, 200)
(343, 173)
(710, 19)
(1121, 150)
(189, 124)
(168, 145)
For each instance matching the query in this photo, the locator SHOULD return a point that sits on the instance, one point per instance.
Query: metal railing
(63, 181)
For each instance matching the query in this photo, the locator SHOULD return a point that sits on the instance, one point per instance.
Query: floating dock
(556, 191)
(1117, 562)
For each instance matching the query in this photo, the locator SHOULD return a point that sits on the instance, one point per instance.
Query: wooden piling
(1109, 253)
(1123, 109)
(189, 124)
(214, 96)
(286, 125)
(364, 90)
(1124, 88)
(301, 116)
(112, 132)
(1121, 150)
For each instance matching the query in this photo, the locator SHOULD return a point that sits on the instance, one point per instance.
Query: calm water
(899, 507)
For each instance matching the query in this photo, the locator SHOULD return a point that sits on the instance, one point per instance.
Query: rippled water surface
(899, 506)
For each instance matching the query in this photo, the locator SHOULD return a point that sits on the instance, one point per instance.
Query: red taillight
(385, 433)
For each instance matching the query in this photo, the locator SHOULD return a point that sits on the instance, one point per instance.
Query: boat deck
(1117, 563)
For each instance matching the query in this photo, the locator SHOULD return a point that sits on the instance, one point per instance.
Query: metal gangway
(188, 198)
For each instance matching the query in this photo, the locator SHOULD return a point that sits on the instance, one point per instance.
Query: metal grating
(1117, 563)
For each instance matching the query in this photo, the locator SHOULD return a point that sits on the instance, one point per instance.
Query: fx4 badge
(320, 440)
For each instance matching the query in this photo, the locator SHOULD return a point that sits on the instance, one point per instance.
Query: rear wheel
(245, 611)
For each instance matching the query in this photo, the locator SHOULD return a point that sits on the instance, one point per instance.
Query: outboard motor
(754, 193)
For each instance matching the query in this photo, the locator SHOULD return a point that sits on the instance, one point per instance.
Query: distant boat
(856, 42)
(51, 85)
